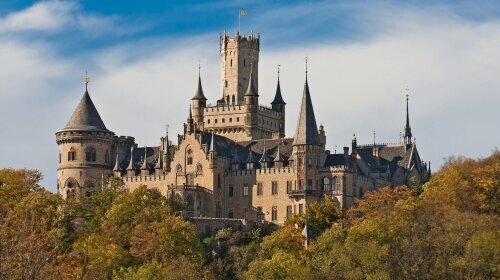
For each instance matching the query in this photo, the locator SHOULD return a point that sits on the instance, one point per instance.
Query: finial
(335, 151)
(86, 80)
(279, 66)
(166, 129)
(306, 68)
(199, 68)
(407, 91)
(374, 135)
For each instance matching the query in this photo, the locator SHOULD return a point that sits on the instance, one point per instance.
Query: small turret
(117, 171)
(264, 160)
(250, 162)
(278, 158)
(235, 162)
(278, 104)
(158, 166)
(144, 166)
(130, 168)
(212, 153)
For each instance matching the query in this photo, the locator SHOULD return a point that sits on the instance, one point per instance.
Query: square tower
(238, 55)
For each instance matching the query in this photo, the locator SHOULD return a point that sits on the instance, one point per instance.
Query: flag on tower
(243, 12)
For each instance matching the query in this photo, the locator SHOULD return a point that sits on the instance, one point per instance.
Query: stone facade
(233, 160)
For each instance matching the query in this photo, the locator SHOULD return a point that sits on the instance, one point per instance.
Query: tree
(15, 184)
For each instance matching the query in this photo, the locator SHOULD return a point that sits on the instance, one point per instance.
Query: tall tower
(306, 144)
(238, 55)
(85, 150)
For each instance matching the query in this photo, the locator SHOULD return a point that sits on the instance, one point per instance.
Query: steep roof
(278, 99)
(251, 91)
(86, 117)
(307, 130)
(199, 92)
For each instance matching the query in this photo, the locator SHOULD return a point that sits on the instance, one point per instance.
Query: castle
(233, 159)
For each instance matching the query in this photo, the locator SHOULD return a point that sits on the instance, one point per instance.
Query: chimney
(346, 151)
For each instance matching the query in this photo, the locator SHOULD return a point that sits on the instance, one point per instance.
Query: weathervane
(306, 67)
(407, 90)
(86, 80)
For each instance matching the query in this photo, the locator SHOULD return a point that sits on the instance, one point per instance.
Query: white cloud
(450, 65)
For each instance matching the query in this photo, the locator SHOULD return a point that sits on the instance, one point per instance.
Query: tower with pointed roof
(85, 151)
(199, 102)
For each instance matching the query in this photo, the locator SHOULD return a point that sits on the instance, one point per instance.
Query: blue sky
(143, 62)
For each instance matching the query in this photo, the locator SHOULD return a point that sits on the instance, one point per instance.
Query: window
(274, 188)
(106, 157)
(231, 190)
(90, 155)
(189, 157)
(301, 161)
(199, 168)
(245, 213)
(288, 186)
(245, 190)
(289, 211)
(244, 63)
(335, 184)
(274, 213)
(301, 184)
(360, 192)
(232, 99)
(230, 213)
(230, 119)
(208, 121)
(310, 162)
(225, 83)
(231, 63)
(301, 209)
(259, 188)
(59, 157)
(178, 168)
(260, 214)
(223, 120)
(309, 184)
(238, 119)
(326, 184)
(71, 155)
(215, 120)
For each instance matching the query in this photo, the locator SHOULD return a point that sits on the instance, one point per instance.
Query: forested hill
(448, 229)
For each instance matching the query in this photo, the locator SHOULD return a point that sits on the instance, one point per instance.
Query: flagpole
(239, 20)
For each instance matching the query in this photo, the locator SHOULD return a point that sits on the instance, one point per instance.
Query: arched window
(90, 154)
(227, 99)
(178, 168)
(189, 157)
(335, 184)
(233, 100)
(326, 185)
(72, 154)
(231, 63)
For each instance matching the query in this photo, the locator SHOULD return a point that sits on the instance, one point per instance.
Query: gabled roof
(307, 130)
(86, 117)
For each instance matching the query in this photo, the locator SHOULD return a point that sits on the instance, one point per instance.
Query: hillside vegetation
(448, 229)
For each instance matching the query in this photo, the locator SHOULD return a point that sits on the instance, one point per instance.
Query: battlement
(239, 40)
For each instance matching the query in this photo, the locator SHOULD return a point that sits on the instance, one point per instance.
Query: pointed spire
(407, 134)
(212, 143)
(158, 163)
(307, 130)
(190, 113)
(86, 116)
(264, 157)
(251, 91)
(117, 165)
(250, 158)
(278, 98)
(199, 91)
(278, 157)
(145, 162)
(167, 144)
(131, 163)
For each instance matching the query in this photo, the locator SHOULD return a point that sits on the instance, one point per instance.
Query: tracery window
(72, 154)
(326, 184)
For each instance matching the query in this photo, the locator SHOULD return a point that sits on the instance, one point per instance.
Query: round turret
(85, 152)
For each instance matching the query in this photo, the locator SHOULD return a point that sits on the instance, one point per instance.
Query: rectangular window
(310, 162)
(301, 184)
(274, 188)
(245, 213)
(309, 184)
(189, 161)
(260, 214)
(301, 209)
(231, 190)
(245, 190)
(274, 214)
(59, 157)
(230, 213)
(259, 188)
(289, 211)
(288, 186)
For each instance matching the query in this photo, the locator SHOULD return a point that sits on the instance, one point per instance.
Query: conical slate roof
(251, 91)
(86, 117)
(278, 99)
(199, 92)
(307, 130)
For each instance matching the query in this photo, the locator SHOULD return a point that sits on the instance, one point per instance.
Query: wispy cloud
(449, 62)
